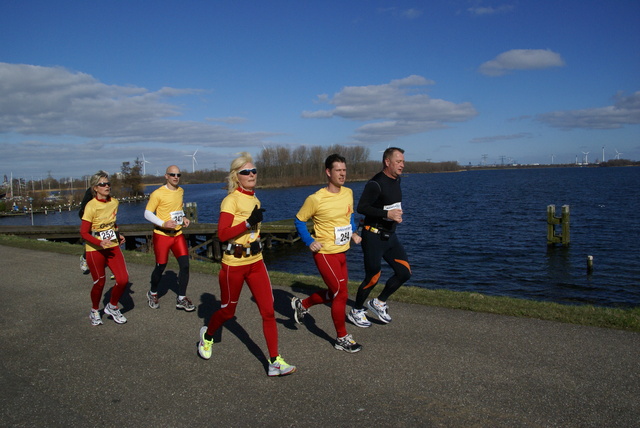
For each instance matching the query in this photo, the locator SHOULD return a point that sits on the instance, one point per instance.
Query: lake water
(480, 231)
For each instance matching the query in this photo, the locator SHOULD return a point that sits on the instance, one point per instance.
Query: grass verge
(588, 315)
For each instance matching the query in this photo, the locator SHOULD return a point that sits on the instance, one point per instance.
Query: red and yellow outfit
(98, 223)
(235, 209)
(168, 205)
(333, 223)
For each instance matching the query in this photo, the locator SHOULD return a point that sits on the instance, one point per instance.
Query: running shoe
(115, 314)
(347, 344)
(280, 367)
(84, 267)
(185, 304)
(204, 346)
(298, 310)
(94, 317)
(380, 310)
(153, 300)
(359, 317)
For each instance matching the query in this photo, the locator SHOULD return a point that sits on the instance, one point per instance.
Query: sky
(88, 85)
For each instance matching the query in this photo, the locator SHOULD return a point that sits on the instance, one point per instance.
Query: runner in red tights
(239, 229)
(102, 244)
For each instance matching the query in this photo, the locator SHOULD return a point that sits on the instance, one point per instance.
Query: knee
(99, 284)
(226, 313)
(267, 314)
(404, 275)
(159, 269)
(183, 263)
(122, 280)
(371, 280)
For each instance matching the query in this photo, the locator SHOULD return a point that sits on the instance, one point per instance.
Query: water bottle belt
(239, 250)
(373, 229)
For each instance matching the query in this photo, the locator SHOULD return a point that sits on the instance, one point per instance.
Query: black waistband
(167, 231)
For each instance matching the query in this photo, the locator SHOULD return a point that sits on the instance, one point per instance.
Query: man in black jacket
(381, 204)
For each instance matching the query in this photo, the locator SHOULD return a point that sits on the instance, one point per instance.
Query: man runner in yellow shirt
(164, 210)
(331, 209)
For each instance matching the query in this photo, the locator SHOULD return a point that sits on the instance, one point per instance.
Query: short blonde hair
(232, 179)
(95, 179)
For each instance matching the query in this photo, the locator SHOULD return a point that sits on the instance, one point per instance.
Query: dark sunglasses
(105, 184)
(248, 171)
(173, 174)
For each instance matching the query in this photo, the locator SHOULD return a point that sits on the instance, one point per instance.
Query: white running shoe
(84, 267)
(298, 310)
(204, 346)
(280, 367)
(347, 344)
(380, 310)
(359, 317)
(115, 314)
(153, 300)
(185, 304)
(94, 317)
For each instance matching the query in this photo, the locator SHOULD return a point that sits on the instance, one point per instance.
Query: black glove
(256, 216)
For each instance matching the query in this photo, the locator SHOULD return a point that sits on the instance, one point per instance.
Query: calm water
(481, 231)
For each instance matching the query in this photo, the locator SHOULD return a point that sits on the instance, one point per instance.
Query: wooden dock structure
(202, 238)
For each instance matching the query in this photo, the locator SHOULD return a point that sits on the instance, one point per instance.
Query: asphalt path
(429, 367)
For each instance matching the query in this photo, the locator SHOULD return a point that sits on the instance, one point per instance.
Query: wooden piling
(191, 211)
(564, 236)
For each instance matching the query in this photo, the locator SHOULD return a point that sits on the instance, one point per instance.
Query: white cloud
(625, 111)
(54, 101)
(403, 13)
(411, 13)
(521, 59)
(231, 120)
(489, 10)
(397, 108)
(494, 138)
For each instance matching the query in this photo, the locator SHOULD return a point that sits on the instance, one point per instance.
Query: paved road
(429, 367)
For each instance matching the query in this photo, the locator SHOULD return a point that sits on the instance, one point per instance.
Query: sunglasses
(105, 184)
(248, 171)
(173, 174)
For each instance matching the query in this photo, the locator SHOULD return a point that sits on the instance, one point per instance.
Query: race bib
(108, 234)
(177, 216)
(343, 234)
(396, 206)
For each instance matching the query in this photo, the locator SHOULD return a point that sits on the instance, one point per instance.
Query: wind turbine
(602, 153)
(144, 169)
(552, 156)
(193, 161)
(586, 157)
(617, 154)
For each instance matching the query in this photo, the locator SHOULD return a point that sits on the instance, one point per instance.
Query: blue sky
(86, 85)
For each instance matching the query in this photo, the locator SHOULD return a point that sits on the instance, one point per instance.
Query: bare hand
(106, 243)
(169, 224)
(356, 238)
(395, 215)
(186, 222)
(315, 246)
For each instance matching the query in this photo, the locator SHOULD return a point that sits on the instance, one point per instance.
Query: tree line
(281, 166)
(278, 166)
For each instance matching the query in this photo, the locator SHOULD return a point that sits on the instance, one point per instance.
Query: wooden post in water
(552, 221)
(191, 211)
